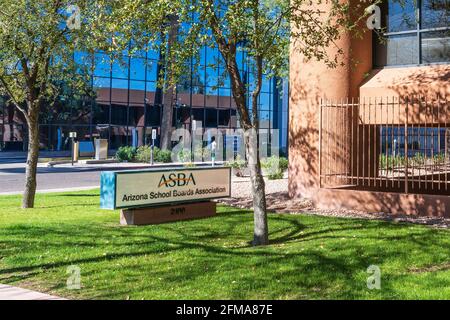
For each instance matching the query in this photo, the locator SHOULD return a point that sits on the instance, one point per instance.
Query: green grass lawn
(309, 257)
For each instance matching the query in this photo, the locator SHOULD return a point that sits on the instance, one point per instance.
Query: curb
(14, 193)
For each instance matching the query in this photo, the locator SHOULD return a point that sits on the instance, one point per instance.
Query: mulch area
(280, 202)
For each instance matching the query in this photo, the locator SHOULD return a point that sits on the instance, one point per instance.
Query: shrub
(143, 154)
(390, 162)
(275, 176)
(283, 164)
(238, 166)
(202, 154)
(126, 153)
(184, 155)
(164, 155)
(275, 167)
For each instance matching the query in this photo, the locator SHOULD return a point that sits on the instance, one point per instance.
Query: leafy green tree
(263, 30)
(38, 40)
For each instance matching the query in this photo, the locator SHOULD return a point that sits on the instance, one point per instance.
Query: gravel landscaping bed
(278, 201)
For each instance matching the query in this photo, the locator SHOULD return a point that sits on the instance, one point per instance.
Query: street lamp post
(153, 145)
(73, 136)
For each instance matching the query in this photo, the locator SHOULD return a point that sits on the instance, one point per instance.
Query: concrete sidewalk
(14, 293)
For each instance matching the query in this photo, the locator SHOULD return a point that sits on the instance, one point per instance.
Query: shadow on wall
(425, 81)
(303, 134)
(428, 82)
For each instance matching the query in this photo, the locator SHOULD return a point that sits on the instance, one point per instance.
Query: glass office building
(127, 104)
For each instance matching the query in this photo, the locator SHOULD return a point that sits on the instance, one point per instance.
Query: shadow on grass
(216, 248)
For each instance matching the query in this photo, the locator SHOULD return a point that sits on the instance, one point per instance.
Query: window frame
(418, 31)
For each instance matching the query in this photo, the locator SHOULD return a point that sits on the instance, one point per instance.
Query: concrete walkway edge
(14, 293)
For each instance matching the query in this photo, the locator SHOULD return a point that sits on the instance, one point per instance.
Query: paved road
(12, 176)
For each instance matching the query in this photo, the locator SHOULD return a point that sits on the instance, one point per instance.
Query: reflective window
(435, 13)
(102, 65)
(119, 84)
(118, 114)
(119, 91)
(436, 46)
(211, 118)
(152, 70)
(120, 68)
(266, 85)
(153, 115)
(197, 115)
(264, 101)
(137, 91)
(401, 16)
(212, 77)
(137, 85)
(118, 137)
(151, 86)
(212, 57)
(137, 69)
(100, 113)
(411, 36)
(84, 62)
(80, 113)
(136, 115)
(402, 49)
(224, 118)
(153, 54)
(100, 82)
(127, 101)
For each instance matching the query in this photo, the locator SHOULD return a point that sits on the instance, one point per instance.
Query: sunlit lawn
(310, 257)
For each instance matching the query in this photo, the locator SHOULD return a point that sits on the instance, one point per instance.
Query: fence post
(406, 146)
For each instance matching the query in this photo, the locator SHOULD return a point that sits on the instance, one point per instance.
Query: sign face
(153, 134)
(72, 134)
(129, 189)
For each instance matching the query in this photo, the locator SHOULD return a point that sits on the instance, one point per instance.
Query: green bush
(238, 163)
(164, 156)
(275, 167)
(184, 155)
(390, 162)
(283, 164)
(126, 154)
(275, 175)
(143, 154)
(202, 154)
(238, 166)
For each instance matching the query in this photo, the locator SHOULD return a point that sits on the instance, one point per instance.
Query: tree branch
(12, 97)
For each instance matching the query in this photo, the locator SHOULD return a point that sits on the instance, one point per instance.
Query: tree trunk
(228, 51)
(169, 95)
(261, 230)
(167, 119)
(32, 160)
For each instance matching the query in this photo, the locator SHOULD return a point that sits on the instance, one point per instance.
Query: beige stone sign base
(162, 214)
